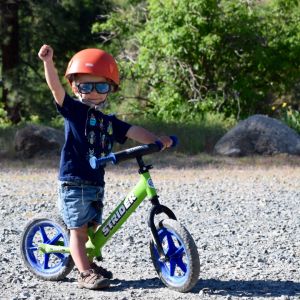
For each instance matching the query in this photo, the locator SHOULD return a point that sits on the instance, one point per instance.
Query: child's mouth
(93, 101)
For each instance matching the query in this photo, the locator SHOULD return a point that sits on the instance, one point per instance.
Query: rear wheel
(181, 269)
(52, 231)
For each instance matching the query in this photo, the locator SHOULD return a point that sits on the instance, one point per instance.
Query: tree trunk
(10, 53)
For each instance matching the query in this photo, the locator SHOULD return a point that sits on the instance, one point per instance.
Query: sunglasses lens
(88, 87)
(85, 88)
(102, 87)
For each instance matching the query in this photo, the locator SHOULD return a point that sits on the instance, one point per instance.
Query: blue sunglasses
(88, 87)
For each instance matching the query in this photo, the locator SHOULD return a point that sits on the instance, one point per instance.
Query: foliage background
(192, 57)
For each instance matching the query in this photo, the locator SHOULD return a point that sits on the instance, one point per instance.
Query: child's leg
(78, 239)
(88, 278)
(75, 205)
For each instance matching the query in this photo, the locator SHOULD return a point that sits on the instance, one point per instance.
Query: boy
(92, 74)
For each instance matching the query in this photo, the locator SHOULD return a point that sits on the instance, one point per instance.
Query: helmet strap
(101, 106)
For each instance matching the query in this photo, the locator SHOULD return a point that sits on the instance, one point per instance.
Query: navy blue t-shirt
(88, 132)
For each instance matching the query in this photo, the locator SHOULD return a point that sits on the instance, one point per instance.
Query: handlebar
(130, 153)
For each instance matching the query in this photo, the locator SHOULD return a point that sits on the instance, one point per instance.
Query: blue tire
(47, 266)
(180, 271)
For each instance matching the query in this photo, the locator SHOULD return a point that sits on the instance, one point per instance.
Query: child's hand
(166, 141)
(46, 53)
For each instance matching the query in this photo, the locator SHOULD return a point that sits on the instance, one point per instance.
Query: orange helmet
(95, 62)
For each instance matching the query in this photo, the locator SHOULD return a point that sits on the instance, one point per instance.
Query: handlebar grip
(95, 162)
(159, 144)
(174, 142)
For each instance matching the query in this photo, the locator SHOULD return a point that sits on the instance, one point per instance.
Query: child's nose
(94, 92)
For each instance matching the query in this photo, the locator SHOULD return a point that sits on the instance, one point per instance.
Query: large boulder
(34, 140)
(259, 135)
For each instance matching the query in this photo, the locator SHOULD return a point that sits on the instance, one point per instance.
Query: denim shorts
(80, 204)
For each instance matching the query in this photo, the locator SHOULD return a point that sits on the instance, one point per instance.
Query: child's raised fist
(45, 53)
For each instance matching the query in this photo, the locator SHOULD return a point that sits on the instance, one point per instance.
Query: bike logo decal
(116, 217)
(150, 183)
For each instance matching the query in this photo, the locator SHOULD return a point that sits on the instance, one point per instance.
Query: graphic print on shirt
(109, 146)
(92, 137)
(103, 138)
(92, 120)
(99, 133)
(101, 125)
(110, 129)
(91, 153)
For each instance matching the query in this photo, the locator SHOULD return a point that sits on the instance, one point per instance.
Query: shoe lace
(89, 276)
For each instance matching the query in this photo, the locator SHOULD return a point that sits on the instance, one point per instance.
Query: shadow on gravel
(149, 283)
(238, 288)
(262, 288)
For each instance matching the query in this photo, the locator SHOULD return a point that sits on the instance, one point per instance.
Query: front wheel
(47, 266)
(180, 271)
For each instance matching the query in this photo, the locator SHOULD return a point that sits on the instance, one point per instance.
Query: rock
(35, 140)
(259, 135)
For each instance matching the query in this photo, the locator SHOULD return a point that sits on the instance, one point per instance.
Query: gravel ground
(245, 221)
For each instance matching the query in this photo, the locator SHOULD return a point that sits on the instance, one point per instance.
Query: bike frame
(143, 189)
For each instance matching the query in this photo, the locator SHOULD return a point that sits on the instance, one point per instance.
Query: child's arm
(144, 136)
(46, 55)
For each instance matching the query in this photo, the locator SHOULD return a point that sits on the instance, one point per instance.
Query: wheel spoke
(46, 260)
(178, 253)
(59, 255)
(43, 233)
(32, 248)
(32, 255)
(171, 246)
(181, 265)
(172, 267)
(54, 240)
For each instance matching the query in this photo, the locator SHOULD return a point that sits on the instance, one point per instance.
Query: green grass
(194, 138)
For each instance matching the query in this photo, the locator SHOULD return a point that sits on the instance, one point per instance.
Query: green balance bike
(45, 240)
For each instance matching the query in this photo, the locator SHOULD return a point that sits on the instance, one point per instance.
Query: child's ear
(74, 88)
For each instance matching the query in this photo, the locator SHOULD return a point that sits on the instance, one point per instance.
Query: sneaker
(93, 281)
(102, 271)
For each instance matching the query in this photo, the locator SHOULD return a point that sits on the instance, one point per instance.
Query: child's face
(93, 96)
